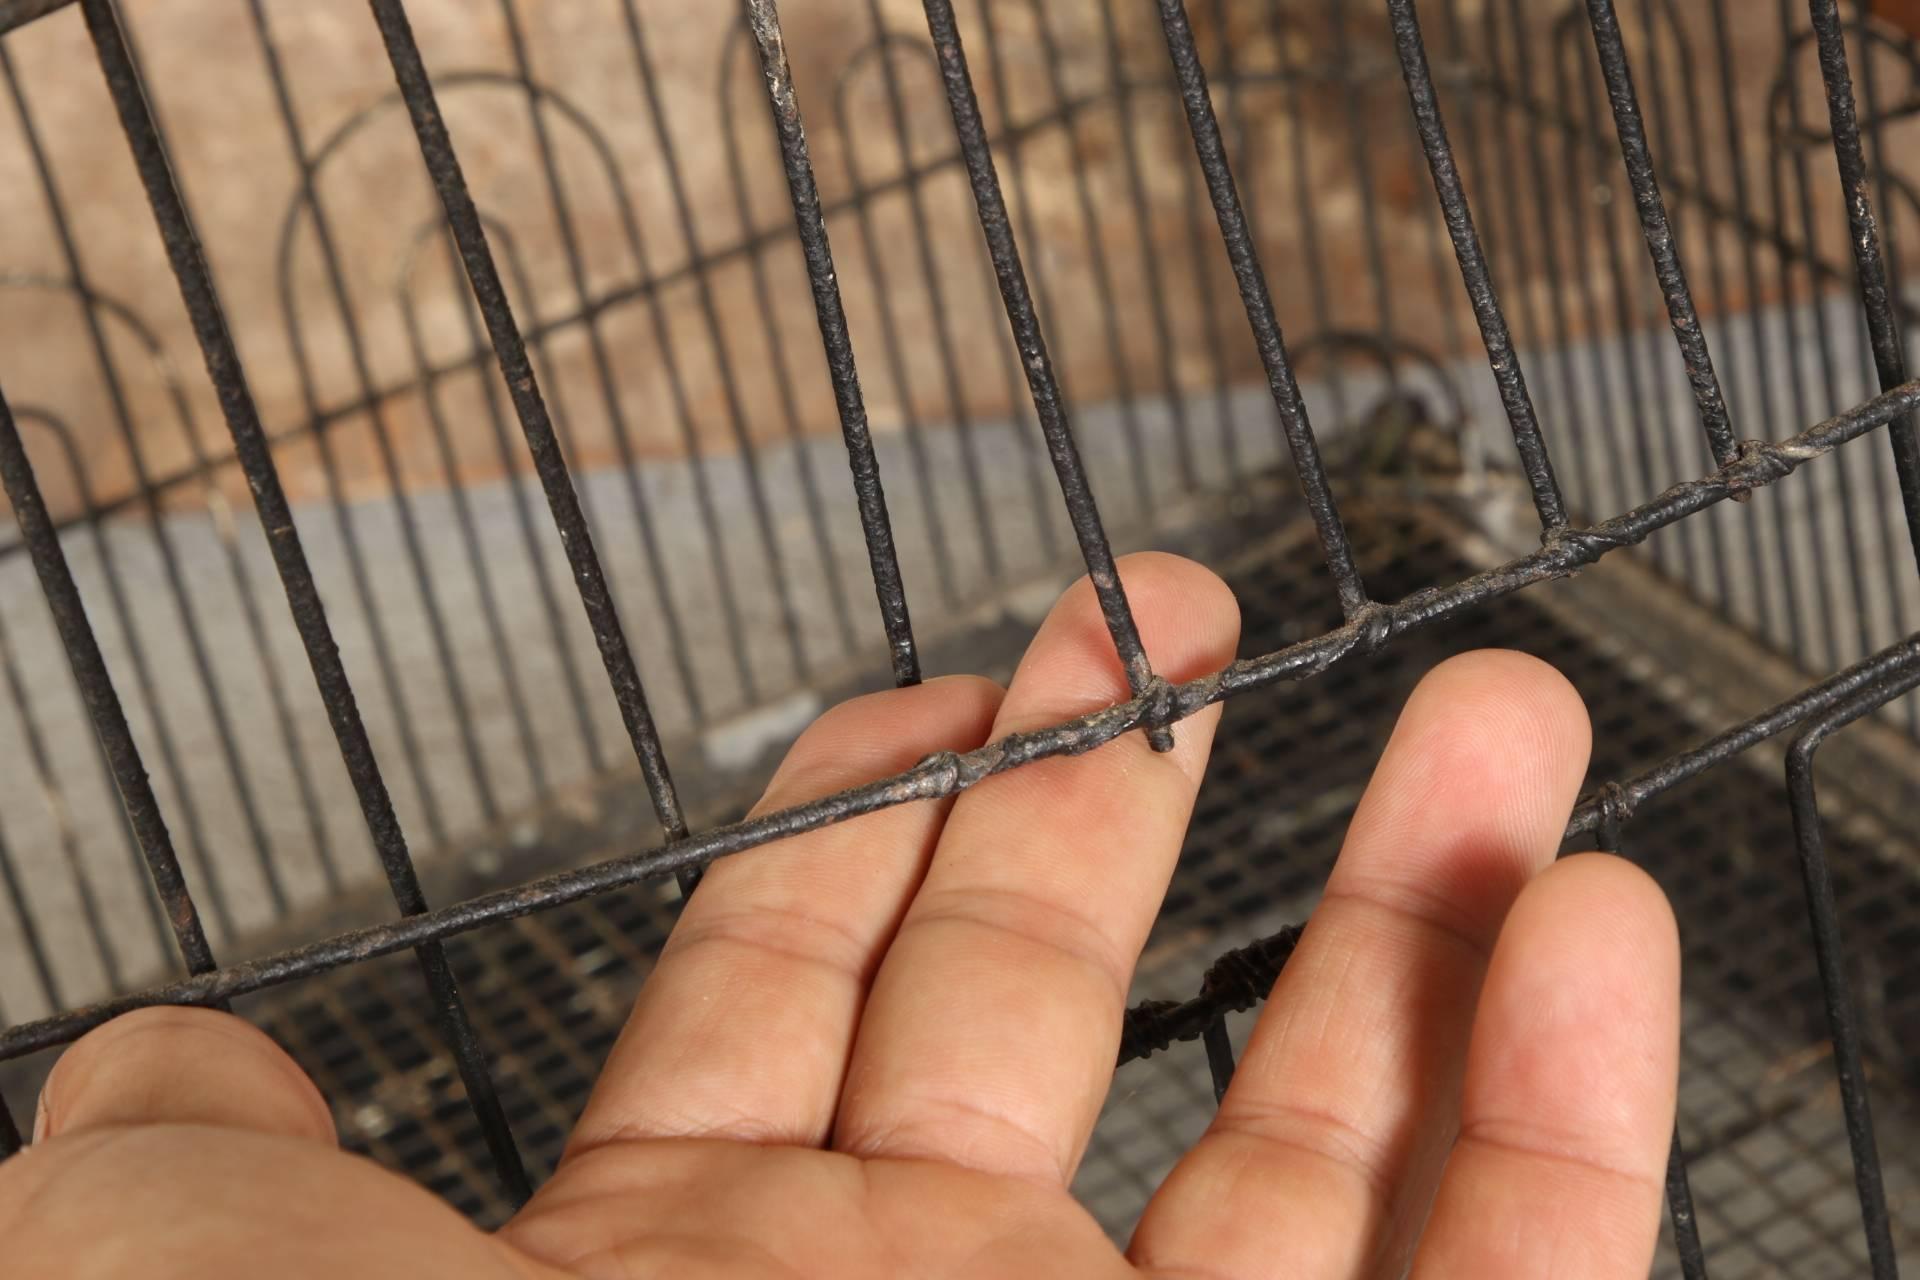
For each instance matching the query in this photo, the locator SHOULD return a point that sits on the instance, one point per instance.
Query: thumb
(173, 1065)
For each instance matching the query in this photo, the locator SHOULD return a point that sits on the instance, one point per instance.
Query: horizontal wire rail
(949, 774)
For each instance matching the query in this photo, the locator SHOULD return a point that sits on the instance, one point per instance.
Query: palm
(879, 1049)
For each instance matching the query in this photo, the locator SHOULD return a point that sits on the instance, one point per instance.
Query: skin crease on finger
(191, 1146)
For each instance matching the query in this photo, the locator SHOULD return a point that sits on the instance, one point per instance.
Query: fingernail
(40, 1117)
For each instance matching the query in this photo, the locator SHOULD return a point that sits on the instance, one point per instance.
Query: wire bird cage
(609, 253)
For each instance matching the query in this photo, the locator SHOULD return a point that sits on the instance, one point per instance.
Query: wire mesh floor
(1760, 1115)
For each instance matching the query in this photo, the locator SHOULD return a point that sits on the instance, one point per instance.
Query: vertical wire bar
(770, 540)
(894, 356)
(1876, 294)
(1824, 345)
(1831, 346)
(1501, 357)
(116, 604)
(46, 780)
(1022, 183)
(1555, 378)
(303, 595)
(1787, 581)
(27, 921)
(1237, 234)
(1361, 156)
(1686, 1223)
(1306, 210)
(1150, 261)
(705, 506)
(1214, 340)
(991, 207)
(382, 433)
(523, 517)
(763, 19)
(883, 49)
(1451, 337)
(201, 659)
(1707, 531)
(1662, 246)
(1611, 465)
(436, 149)
(430, 382)
(1219, 1047)
(1733, 361)
(96, 689)
(1897, 616)
(1105, 302)
(1670, 556)
(1842, 1021)
(770, 331)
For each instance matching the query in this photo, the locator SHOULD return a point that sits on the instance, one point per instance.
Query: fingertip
(1507, 691)
(1579, 1022)
(1595, 927)
(1473, 791)
(172, 1064)
(1187, 618)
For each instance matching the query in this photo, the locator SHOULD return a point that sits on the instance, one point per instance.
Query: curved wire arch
(239, 577)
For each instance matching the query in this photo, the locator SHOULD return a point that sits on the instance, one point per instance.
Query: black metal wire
(27, 921)
(1662, 245)
(1501, 357)
(29, 722)
(1842, 1020)
(436, 148)
(44, 774)
(1876, 289)
(382, 433)
(946, 774)
(763, 19)
(96, 689)
(1680, 1210)
(1191, 77)
(1237, 980)
(1150, 264)
(1082, 511)
(766, 304)
(886, 45)
(1825, 341)
(1023, 178)
(199, 655)
(303, 597)
(1219, 1047)
(443, 440)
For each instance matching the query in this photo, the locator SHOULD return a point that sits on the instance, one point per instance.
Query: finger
(173, 1065)
(990, 1036)
(1568, 1106)
(1330, 1140)
(743, 1028)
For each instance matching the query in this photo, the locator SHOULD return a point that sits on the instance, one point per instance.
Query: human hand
(878, 1049)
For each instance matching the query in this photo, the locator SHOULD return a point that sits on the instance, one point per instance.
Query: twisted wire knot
(1376, 628)
(1615, 809)
(1238, 979)
(1158, 697)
